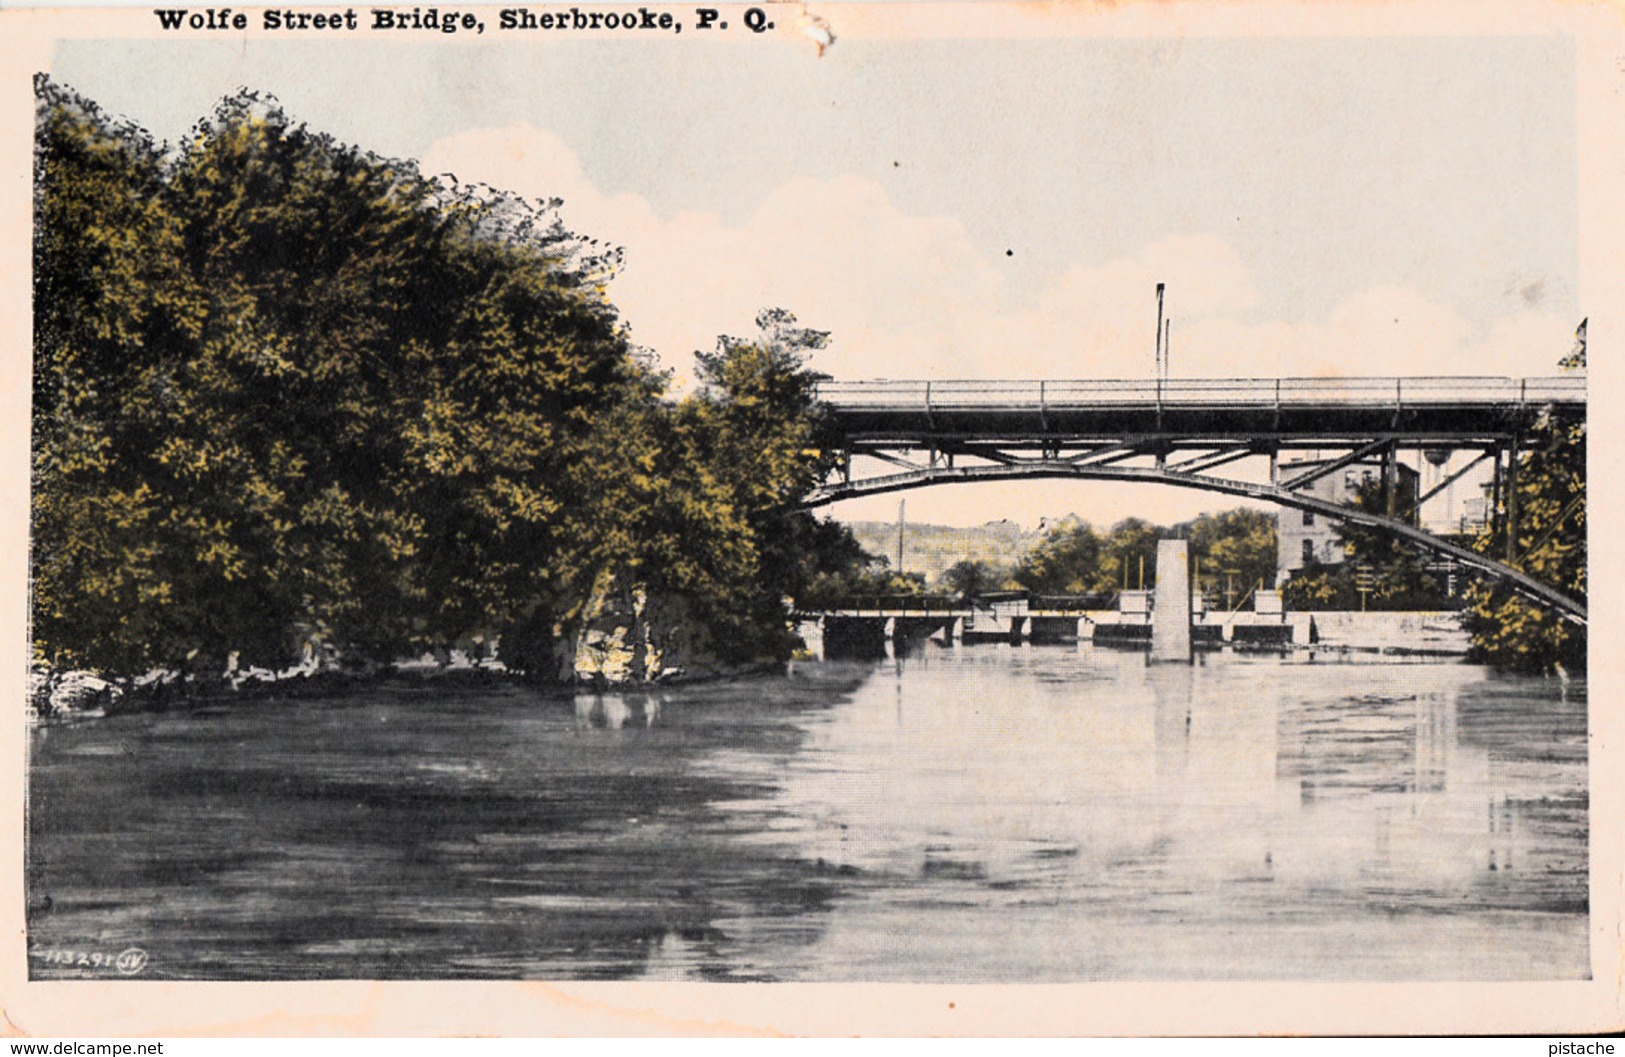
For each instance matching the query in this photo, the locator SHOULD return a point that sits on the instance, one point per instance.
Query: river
(976, 814)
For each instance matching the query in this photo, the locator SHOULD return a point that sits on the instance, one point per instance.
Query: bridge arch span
(1520, 582)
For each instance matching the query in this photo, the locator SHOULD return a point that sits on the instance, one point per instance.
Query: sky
(973, 208)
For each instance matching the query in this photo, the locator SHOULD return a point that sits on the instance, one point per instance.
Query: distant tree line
(288, 393)
(1232, 553)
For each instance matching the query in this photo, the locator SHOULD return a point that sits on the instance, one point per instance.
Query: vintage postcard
(853, 518)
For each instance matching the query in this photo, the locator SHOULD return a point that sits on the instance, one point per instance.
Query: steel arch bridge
(1177, 432)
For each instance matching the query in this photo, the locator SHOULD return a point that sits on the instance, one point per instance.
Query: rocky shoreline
(625, 636)
(85, 695)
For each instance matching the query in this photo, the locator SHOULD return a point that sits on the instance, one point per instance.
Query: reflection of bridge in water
(1178, 432)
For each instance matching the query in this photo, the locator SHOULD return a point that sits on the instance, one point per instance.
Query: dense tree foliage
(973, 579)
(1067, 561)
(756, 425)
(290, 395)
(107, 280)
(1550, 544)
(1233, 551)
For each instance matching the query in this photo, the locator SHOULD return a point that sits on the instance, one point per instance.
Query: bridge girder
(1086, 466)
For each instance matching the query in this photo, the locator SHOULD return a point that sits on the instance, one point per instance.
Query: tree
(1509, 631)
(971, 580)
(1130, 547)
(757, 428)
(1067, 561)
(405, 370)
(1235, 547)
(1075, 559)
(287, 390)
(837, 570)
(114, 309)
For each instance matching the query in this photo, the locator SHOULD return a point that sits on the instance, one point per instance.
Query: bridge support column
(1171, 614)
(1019, 627)
(1512, 501)
(1390, 478)
(889, 631)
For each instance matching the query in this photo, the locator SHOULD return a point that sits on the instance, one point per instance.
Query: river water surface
(980, 814)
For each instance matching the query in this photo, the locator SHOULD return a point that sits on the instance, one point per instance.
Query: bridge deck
(1207, 408)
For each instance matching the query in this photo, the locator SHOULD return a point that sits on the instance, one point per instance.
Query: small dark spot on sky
(1009, 253)
(1530, 292)
(894, 165)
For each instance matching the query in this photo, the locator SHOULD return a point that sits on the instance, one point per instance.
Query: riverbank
(86, 695)
(606, 668)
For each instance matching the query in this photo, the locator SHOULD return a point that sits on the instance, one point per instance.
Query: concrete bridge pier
(1019, 629)
(812, 636)
(1171, 614)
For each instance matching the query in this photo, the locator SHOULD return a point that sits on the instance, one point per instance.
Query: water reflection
(613, 711)
(990, 813)
(1138, 817)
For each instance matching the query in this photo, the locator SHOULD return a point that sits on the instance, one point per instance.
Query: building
(1475, 515)
(1303, 536)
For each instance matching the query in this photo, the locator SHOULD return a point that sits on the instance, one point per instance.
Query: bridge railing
(1095, 601)
(1205, 392)
(924, 605)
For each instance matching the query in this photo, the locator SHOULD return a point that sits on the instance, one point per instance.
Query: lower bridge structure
(865, 627)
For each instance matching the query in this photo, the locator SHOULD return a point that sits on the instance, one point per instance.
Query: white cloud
(913, 296)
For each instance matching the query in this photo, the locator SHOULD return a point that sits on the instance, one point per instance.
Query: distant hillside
(931, 549)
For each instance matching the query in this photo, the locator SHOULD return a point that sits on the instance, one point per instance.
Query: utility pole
(1157, 372)
(1161, 287)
